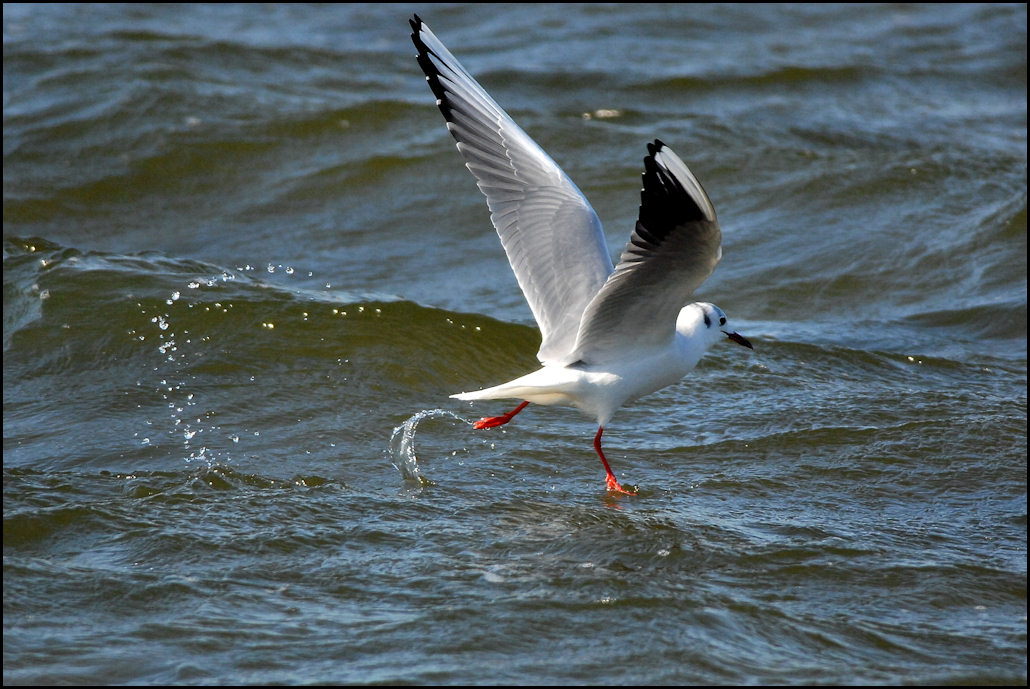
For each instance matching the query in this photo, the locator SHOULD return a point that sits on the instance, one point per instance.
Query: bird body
(610, 333)
(600, 389)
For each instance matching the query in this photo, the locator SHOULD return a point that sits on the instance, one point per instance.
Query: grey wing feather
(674, 248)
(551, 235)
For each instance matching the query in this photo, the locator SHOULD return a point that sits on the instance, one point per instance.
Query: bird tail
(521, 389)
(498, 392)
(544, 386)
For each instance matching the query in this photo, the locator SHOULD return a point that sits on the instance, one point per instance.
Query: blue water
(244, 269)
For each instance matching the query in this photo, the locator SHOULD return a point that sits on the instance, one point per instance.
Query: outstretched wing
(550, 233)
(674, 248)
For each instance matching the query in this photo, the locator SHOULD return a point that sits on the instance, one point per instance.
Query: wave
(65, 308)
(121, 304)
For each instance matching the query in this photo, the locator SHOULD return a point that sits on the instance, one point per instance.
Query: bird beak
(739, 339)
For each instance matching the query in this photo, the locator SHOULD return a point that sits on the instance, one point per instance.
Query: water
(244, 268)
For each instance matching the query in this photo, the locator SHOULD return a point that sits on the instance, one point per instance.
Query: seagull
(610, 333)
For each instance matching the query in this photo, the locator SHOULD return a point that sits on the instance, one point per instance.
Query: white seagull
(610, 333)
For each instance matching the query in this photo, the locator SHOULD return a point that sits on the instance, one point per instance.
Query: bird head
(714, 319)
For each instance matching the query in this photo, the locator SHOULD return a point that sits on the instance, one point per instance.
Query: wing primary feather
(674, 247)
(550, 233)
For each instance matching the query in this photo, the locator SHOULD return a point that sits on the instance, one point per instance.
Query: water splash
(178, 350)
(402, 445)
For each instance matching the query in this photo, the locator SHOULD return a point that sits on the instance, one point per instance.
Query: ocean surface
(244, 268)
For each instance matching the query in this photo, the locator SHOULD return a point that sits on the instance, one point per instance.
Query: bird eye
(722, 321)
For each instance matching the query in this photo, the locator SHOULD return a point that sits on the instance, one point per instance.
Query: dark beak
(739, 339)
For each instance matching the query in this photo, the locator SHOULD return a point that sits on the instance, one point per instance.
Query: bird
(610, 333)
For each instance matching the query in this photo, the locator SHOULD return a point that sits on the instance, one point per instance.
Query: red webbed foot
(614, 487)
(493, 421)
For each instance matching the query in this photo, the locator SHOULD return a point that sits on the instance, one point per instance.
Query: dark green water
(244, 268)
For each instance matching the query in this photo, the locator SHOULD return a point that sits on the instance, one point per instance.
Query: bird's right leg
(610, 482)
(491, 421)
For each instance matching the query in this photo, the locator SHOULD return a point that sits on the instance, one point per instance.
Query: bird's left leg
(491, 421)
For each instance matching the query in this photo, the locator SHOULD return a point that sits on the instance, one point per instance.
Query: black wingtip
(655, 148)
(664, 203)
(428, 68)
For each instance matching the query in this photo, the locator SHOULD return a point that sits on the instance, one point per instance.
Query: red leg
(491, 421)
(610, 481)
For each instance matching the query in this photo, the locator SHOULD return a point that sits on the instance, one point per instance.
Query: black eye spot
(722, 321)
(708, 321)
